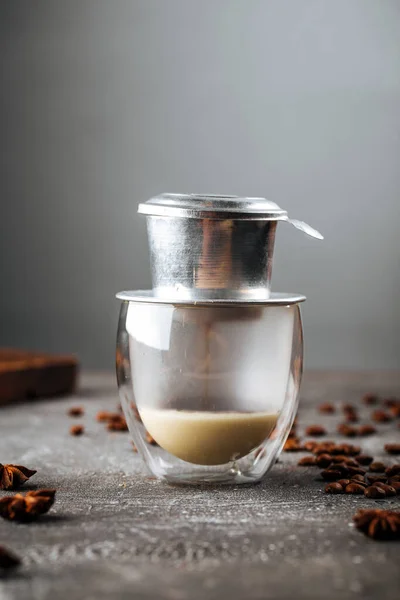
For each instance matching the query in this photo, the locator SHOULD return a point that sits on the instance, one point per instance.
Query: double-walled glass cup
(209, 390)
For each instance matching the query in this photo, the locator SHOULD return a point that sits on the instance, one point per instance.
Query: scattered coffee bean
(339, 458)
(326, 408)
(389, 402)
(347, 449)
(354, 451)
(150, 439)
(307, 461)
(392, 448)
(393, 470)
(293, 445)
(364, 459)
(352, 418)
(347, 430)
(117, 424)
(360, 481)
(358, 478)
(354, 488)
(331, 474)
(75, 411)
(77, 430)
(355, 471)
(374, 492)
(322, 448)
(323, 460)
(381, 416)
(105, 416)
(395, 485)
(365, 430)
(8, 560)
(315, 431)
(350, 413)
(377, 467)
(342, 468)
(309, 446)
(395, 411)
(334, 488)
(375, 478)
(351, 462)
(388, 489)
(370, 399)
(343, 482)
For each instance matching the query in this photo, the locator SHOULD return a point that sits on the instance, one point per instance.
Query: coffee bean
(350, 462)
(351, 417)
(381, 416)
(395, 410)
(293, 445)
(377, 467)
(359, 481)
(393, 470)
(374, 492)
(392, 448)
(395, 485)
(331, 474)
(326, 408)
(376, 478)
(309, 446)
(334, 488)
(354, 488)
(342, 468)
(346, 430)
(315, 431)
(365, 430)
(390, 402)
(370, 399)
(388, 489)
(343, 482)
(323, 460)
(307, 461)
(355, 471)
(322, 448)
(364, 459)
(339, 458)
(358, 478)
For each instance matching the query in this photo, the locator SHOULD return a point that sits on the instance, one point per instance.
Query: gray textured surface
(116, 532)
(104, 104)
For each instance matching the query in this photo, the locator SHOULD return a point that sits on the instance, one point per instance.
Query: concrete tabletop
(115, 532)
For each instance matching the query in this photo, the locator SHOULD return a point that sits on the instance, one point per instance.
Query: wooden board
(28, 375)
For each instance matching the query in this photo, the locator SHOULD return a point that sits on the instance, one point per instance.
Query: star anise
(13, 476)
(378, 524)
(28, 507)
(8, 560)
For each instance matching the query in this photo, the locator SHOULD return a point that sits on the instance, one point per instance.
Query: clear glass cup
(215, 386)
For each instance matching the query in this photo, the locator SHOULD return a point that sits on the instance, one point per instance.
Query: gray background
(104, 104)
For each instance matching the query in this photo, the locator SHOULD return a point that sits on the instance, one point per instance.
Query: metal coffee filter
(205, 247)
